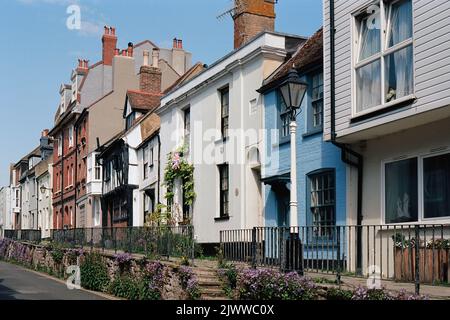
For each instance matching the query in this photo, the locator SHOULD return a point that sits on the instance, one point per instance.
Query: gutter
(348, 155)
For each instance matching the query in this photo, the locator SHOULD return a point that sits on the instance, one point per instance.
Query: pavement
(17, 283)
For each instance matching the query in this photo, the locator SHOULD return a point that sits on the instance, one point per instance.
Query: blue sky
(38, 51)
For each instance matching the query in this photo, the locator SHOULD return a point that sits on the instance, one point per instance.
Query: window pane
(401, 191)
(400, 22)
(436, 187)
(399, 74)
(370, 33)
(368, 86)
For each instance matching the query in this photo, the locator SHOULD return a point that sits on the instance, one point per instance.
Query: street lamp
(293, 91)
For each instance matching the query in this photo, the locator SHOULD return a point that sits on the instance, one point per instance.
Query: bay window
(383, 61)
(417, 189)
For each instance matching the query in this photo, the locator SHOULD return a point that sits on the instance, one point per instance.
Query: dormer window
(62, 104)
(74, 88)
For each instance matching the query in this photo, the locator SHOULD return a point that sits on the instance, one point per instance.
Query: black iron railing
(408, 253)
(163, 241)
(24, 235)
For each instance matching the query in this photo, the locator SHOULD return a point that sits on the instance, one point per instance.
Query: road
(17, 283)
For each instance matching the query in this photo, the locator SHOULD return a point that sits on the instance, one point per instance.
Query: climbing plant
(179, 167)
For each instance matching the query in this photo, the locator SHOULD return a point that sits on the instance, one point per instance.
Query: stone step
(209, 283)
(215, 298)
(212, 292)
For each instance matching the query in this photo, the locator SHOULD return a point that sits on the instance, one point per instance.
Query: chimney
(45, 145)
(130, 49)
(109, 41)
(150, 76)
(83, 66)
(44, 133)
(155, 58)
(251, 18)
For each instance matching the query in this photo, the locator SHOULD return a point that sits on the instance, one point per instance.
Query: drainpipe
(75, 183)
(62, 178)
(348, 155)
(159, 169)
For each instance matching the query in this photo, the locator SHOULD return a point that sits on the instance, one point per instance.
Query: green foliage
(57, 255)
(126, 287)
(178, 167)
(94, 273)
(339, 294)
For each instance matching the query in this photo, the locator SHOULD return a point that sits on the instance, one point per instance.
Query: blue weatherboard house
(321, 175)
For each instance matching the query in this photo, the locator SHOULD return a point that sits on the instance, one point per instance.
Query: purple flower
(123, 258)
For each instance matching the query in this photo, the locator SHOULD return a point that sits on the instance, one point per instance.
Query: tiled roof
(143, 101)
(149, 126)
(310, 52)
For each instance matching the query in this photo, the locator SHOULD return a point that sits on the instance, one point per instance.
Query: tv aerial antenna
(236, 6)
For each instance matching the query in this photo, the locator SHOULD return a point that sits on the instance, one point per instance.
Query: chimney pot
(146, 55)
(180, 44)
(45, 133)
(130, 49)
(109, 41)
(175, 43)
(116, 51)
(155, 56)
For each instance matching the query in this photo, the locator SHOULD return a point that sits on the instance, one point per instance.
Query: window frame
(420, 156)
(310, 215)
(145, 161)
(187, 126)
(381, 56)
(224, 128)
(70, 133)
(281, 114)
(222, 214)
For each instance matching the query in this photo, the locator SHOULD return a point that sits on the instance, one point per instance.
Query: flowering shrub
(153, 276)
(189, 282)
(4, 243)
(362, 293)
(267, 284)
(123, 260)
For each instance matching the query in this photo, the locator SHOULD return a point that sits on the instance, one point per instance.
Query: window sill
(374, 110)
(312, 132)
(222, 218)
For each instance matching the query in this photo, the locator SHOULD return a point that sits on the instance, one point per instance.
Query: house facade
(215, 119)
(321, 175)
(387, 99)
(90, 114)
(5, 210)
(43, 173)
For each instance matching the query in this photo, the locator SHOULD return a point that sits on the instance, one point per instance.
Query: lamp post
(293, 91)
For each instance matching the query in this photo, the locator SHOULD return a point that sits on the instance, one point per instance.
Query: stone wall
(43, 258)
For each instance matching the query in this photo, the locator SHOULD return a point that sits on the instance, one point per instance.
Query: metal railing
(408, 253)
(33, 236)
(162, 241)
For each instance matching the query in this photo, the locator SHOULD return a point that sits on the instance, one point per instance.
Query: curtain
(368, 92)
(399, 64)
(370, 39)
(401, 198)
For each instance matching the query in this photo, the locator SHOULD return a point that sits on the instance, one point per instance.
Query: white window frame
(384, 52)
(71, 142)
(59, 141)
(74, 89)
(420, 204)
